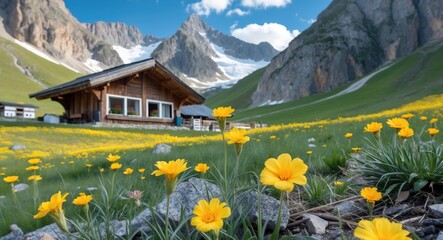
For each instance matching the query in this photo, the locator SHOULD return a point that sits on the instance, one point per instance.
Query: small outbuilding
(16, 110)
(143, 92)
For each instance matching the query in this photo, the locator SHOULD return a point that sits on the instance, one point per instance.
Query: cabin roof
(197, 110)
(17, 104)
(168, 79)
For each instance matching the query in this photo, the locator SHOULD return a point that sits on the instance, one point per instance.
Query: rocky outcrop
(189, 50)
(49, 26)
(349, 39)
(116, 33)
(104, 53)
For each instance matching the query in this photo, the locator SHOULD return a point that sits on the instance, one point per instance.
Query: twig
(334, 218)
(414, 219)
(322, 207)
(298, 222)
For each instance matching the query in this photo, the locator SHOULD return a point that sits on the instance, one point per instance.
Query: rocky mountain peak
(194, 24)
(116, 33)
(49, 26)
(349, 40)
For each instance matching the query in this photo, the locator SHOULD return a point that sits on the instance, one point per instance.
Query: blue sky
(249, 20)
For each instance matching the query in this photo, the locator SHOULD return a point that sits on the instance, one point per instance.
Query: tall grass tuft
(411, 165)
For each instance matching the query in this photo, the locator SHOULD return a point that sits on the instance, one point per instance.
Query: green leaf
(412, 176)
(390, 188)
(420, 184)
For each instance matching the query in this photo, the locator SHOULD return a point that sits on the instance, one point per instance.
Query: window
(116, 105)
(159, 109)
(134, 107)
(122, 105)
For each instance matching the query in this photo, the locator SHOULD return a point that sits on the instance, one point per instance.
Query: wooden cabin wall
(143, 86)
(81, 106)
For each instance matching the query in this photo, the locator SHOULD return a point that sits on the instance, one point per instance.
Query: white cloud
(275, 34)
(237, 11)
(265, 3)
(206, 6)
(312, 20)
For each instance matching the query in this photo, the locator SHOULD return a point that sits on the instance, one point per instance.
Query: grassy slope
(411, 78)
(16, 86)
(239, 96)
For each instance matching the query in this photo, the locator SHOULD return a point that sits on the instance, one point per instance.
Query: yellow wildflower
(10, 179)
(202, 168)
(223, 112)
(398, 123)
(371, 194)
(128, 171)
(82, 200)
(373, 127)
(432, 131)
(34, 161)
(407, 116)
(284, 172)
(209, 216)
(35, 178)
(115, 166)
(32, 168)
(379, 229)
(112, 158)
(348, 135)
(406, 132)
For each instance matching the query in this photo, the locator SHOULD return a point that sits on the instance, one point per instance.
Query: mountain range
(202, 56)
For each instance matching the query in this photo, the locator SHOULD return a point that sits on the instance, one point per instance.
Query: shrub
(411, 165)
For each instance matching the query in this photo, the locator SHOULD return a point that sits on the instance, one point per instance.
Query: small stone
(16, 147)
(315, 224)
(162, 149)
(440, 235)
(20, 187)
(46, 236)
(247, 204)
(429, 230)
(433, 221)
(346, 207)
(15, 234)
(395, 209)
(91, 189)
(436, 210)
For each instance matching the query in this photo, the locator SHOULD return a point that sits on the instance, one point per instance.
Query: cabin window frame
(125, 105)
(160, 104)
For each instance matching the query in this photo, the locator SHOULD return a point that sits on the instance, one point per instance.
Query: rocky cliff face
(116, 33)
(349, 39)
(49, 26)
(190, 50)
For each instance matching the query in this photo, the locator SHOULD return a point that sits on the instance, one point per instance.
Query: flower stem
(274, 235)
(168, 196)
(226, 161)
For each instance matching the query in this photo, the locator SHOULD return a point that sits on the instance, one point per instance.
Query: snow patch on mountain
(94, 65)
(235, 68)
(135, 53)
(43, 55)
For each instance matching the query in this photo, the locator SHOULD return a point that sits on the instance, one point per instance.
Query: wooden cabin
(16, 110)
(143, 92)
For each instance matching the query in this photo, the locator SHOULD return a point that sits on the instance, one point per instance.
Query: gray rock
(440, 236)
(346, 207)
(118, 229)
(247, 205)
(185, 197)
(16, 233)
(162, 149)
(436, 210)
(53, 230)
(433, 221)
(140, 222)
(395, 209)
(20, 187)
(16, 147)
(315, 224)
